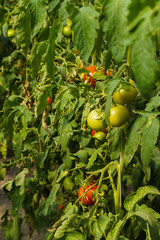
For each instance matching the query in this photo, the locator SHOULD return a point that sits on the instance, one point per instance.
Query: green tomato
(100, 136)
(125, 96)
(67, 32)
(69, 22)
(68, 184)
(10, 33)
(96, 120)
(119, 116)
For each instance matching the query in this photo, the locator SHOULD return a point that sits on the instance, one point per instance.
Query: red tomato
(85, 194)
(60, 206)
(49, 100)
(92, 70)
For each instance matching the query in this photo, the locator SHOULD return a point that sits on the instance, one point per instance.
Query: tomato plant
(85, 194)
(119, 115)
(88, 78)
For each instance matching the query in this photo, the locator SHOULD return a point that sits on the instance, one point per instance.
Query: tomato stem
(119, 72)
(128, 66)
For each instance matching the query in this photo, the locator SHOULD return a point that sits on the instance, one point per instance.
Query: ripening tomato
(96, 120)
(10, 33)
(85, 77)
(119, 115)
(85, 194)
(49, 101)
(94, 131)
(125, 96)
(67, 32)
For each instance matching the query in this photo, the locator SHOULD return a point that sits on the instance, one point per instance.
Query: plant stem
(128, 66)
(120, 70)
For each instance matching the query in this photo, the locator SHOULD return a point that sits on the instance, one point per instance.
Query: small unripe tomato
(10, 33)
(125, 96)
(100, 136)
(67, 32)
(69, 22)
(96, 120)
(119, 115)
(68, 184)
(85, 194)
(49, 101)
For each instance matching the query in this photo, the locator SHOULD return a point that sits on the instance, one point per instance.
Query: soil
(5, 203)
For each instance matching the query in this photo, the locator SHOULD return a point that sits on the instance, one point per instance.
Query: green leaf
(50, 200)
(36, 56)
(116, 230)
(64, 227)
(153, 104)
(52, 4)
(143, 57)
(84, 139)
(20, 177)
(65, 133)
(50, 51)
(75, 236)
(12, 228)
(18, 145)
(38, 14)
(42, 98)
(93, 157)
(114, 136)
(99, 226)
(148, 220)
(17, 199)
(137, 196)
(42, 156)
(22, 29)
(133, 139)
(149, 138)
(85, 25)
(115, 19)
(110, 87)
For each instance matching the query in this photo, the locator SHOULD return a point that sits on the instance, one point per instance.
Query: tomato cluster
(67, 32)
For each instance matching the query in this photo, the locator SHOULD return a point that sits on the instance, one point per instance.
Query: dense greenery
(51, 78)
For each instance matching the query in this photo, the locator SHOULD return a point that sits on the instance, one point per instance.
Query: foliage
(49, 142)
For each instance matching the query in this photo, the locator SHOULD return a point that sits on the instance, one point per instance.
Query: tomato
(10, 33)
(67, 32)
(85, 194)
(85, 77)
(96, 120)
(60, 206)
(94, 131)
(125, 96)
(49, 101)
(69, 23)
(119, 115)
(68, 184)
(100, 136)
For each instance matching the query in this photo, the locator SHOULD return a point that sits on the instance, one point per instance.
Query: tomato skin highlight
(87, 199)
(119, 116)
(123, 96)
(96, 120)
(91, 80)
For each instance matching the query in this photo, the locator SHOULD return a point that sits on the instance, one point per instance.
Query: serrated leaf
(115, 19)
(52, 4)
(99, 226)
(38, 14)
(18, 145)
(20, 177)
(111, 86)
(133, 139)
(12, 228)
(36, 56)
(42, 156)
(64, 227)
(114, 143)
(154, 103)
(75, 236)
(51, 198)
(132, 199)
(22, 28)
(116, 230)
(93, 157)
(85, 27)
(65, 133)
(148, 141)
(150, 220)
(50, 51)
(143, 57)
